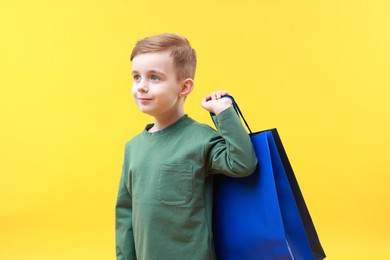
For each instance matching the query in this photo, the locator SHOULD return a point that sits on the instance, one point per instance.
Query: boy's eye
(137, 77)
(154, 77)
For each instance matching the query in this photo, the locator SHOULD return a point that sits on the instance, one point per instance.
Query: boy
(164, 202)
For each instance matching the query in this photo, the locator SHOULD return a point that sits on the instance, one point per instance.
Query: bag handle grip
(238, 111)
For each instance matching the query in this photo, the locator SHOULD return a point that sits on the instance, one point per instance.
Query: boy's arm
(125, 249)
(231, 152)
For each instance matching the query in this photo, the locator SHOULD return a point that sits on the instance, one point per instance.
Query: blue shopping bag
(263, 216)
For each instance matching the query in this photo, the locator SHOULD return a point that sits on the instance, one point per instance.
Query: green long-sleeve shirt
(164, 202)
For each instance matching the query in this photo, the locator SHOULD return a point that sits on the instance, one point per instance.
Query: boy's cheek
(134, 92)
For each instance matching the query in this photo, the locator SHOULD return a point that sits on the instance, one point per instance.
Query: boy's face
(156, 89)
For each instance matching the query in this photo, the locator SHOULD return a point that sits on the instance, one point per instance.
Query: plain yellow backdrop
(319, 71)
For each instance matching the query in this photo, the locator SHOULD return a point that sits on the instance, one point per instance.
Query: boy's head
(183, 55)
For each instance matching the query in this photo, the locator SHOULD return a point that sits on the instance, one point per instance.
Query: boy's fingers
(215, 95)
(222, 93)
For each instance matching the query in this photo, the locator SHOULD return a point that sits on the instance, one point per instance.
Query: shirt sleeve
(231, 151)
(125, 249)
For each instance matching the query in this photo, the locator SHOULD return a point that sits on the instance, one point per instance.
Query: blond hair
(184, 56)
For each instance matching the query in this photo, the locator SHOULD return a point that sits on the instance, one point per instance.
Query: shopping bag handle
(238, 111)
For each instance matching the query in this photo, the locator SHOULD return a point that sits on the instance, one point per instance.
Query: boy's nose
(142, 88)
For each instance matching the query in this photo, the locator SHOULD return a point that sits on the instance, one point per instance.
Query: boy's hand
(214, 102)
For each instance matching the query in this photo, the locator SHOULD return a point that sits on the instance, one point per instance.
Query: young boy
(164, 202)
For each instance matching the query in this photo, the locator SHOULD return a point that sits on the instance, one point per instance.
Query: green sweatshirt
(164, 202)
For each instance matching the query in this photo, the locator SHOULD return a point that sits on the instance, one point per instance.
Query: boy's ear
(186, 87)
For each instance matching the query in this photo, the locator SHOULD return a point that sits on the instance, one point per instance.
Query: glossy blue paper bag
(263, 216)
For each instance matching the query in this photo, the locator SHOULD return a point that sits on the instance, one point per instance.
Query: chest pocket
(175, 184)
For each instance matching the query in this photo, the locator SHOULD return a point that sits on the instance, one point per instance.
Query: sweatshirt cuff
(228, 118)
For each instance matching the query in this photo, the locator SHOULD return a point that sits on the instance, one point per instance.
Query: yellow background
(319, 71)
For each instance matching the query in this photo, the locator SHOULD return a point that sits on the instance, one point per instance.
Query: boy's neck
(164, 121)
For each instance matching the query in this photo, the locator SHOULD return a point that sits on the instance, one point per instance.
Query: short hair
(184, 56)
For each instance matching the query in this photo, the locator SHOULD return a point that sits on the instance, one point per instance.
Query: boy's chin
(146, 111)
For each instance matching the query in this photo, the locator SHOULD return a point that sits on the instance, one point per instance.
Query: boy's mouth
(144, 101)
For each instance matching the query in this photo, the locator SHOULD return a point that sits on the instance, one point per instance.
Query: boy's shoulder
(199, 129)
(134, 139)
(202, 127)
